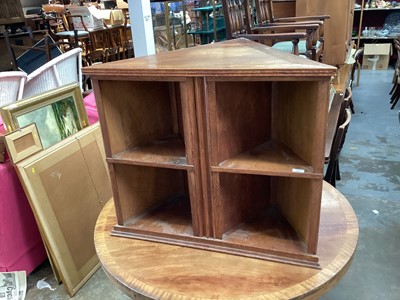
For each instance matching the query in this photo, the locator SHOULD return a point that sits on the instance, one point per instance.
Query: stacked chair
(299, 36)
(395, 91)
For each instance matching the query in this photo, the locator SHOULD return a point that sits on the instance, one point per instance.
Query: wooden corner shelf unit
(218, 147)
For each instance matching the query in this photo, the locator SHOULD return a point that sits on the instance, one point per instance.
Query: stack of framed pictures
(60, 161)
(57, 114)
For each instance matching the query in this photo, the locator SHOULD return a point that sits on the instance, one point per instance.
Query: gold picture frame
(57, 113)
(67, 186)
(23, 143)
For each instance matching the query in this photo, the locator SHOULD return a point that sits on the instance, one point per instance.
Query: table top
(164, 271)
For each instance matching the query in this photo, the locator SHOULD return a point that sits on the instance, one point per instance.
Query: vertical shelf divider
(216, 152)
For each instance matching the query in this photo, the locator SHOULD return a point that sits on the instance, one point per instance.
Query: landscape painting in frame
(57, 114)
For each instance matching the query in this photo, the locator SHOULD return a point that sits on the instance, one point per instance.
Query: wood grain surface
(161, 271)
(229, 58)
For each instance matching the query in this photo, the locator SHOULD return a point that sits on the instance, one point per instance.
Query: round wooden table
(161, 271)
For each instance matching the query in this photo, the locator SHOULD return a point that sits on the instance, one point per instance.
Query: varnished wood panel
(297, 201)
(286, 8)
(167, 152)
(240, 117)
(141, 189)
(236, 198)
(162, 271)
(337, 30)
(270, 158)
(139, 112)
(233, 58)
(299, 119)
(217, 126)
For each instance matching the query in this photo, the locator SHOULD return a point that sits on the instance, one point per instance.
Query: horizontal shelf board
(266, 237)
(374, 38)
(269, 229)
(377, 8)
(172, 218)
(270, 158)
(168, 152)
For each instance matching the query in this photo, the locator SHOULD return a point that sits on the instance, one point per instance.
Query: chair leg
(352, 106)
(358, 73)
(337, 170)
(329, 174)
(395, 94)
(332, 175)
(394, 87)
(395, 100)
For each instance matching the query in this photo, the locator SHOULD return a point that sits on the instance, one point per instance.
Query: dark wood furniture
(169, 272)
(11, 12)
(238, 24)
(333, 172)
(337, 29)
(313, 25)
(217, 147)
(30, 57)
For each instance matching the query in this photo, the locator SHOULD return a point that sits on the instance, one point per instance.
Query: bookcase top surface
(231, 58)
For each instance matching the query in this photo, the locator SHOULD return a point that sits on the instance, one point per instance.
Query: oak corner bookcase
(217, 147)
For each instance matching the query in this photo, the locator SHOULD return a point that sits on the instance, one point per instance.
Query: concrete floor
(370, 169)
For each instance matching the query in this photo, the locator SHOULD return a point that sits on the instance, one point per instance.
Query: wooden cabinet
(11, 12)
(217, 147)
(337, 30)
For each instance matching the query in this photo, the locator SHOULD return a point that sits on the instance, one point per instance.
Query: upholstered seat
(286, 46)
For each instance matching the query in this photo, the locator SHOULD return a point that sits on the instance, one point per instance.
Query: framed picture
(57, 114)
(67, 186)
(23, 143)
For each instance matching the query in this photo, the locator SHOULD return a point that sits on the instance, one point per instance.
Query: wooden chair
(333, 172)
(95, 57)
(312, 46)
(112, 54)
(56, 21)
(237, 23)
(91, 39)
(395, 91)
(128, 50)
(35, 54)
(346, 104)
(98, 56)
(356, 67)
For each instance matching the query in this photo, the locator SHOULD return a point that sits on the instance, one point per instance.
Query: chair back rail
(333, 171)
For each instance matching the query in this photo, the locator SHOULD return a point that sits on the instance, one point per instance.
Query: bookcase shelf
(270, 158)
(168, 152)
(223, 151)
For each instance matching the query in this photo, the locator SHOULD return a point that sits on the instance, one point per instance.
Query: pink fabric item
(91, 108)
(21, 246)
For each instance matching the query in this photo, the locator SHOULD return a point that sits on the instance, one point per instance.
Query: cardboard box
(91, 17)
(122, 4)
(113, 17)
(376, 56)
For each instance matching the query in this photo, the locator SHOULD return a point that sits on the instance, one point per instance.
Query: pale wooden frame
(10, 113)
(29, 171)
(11, 139)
